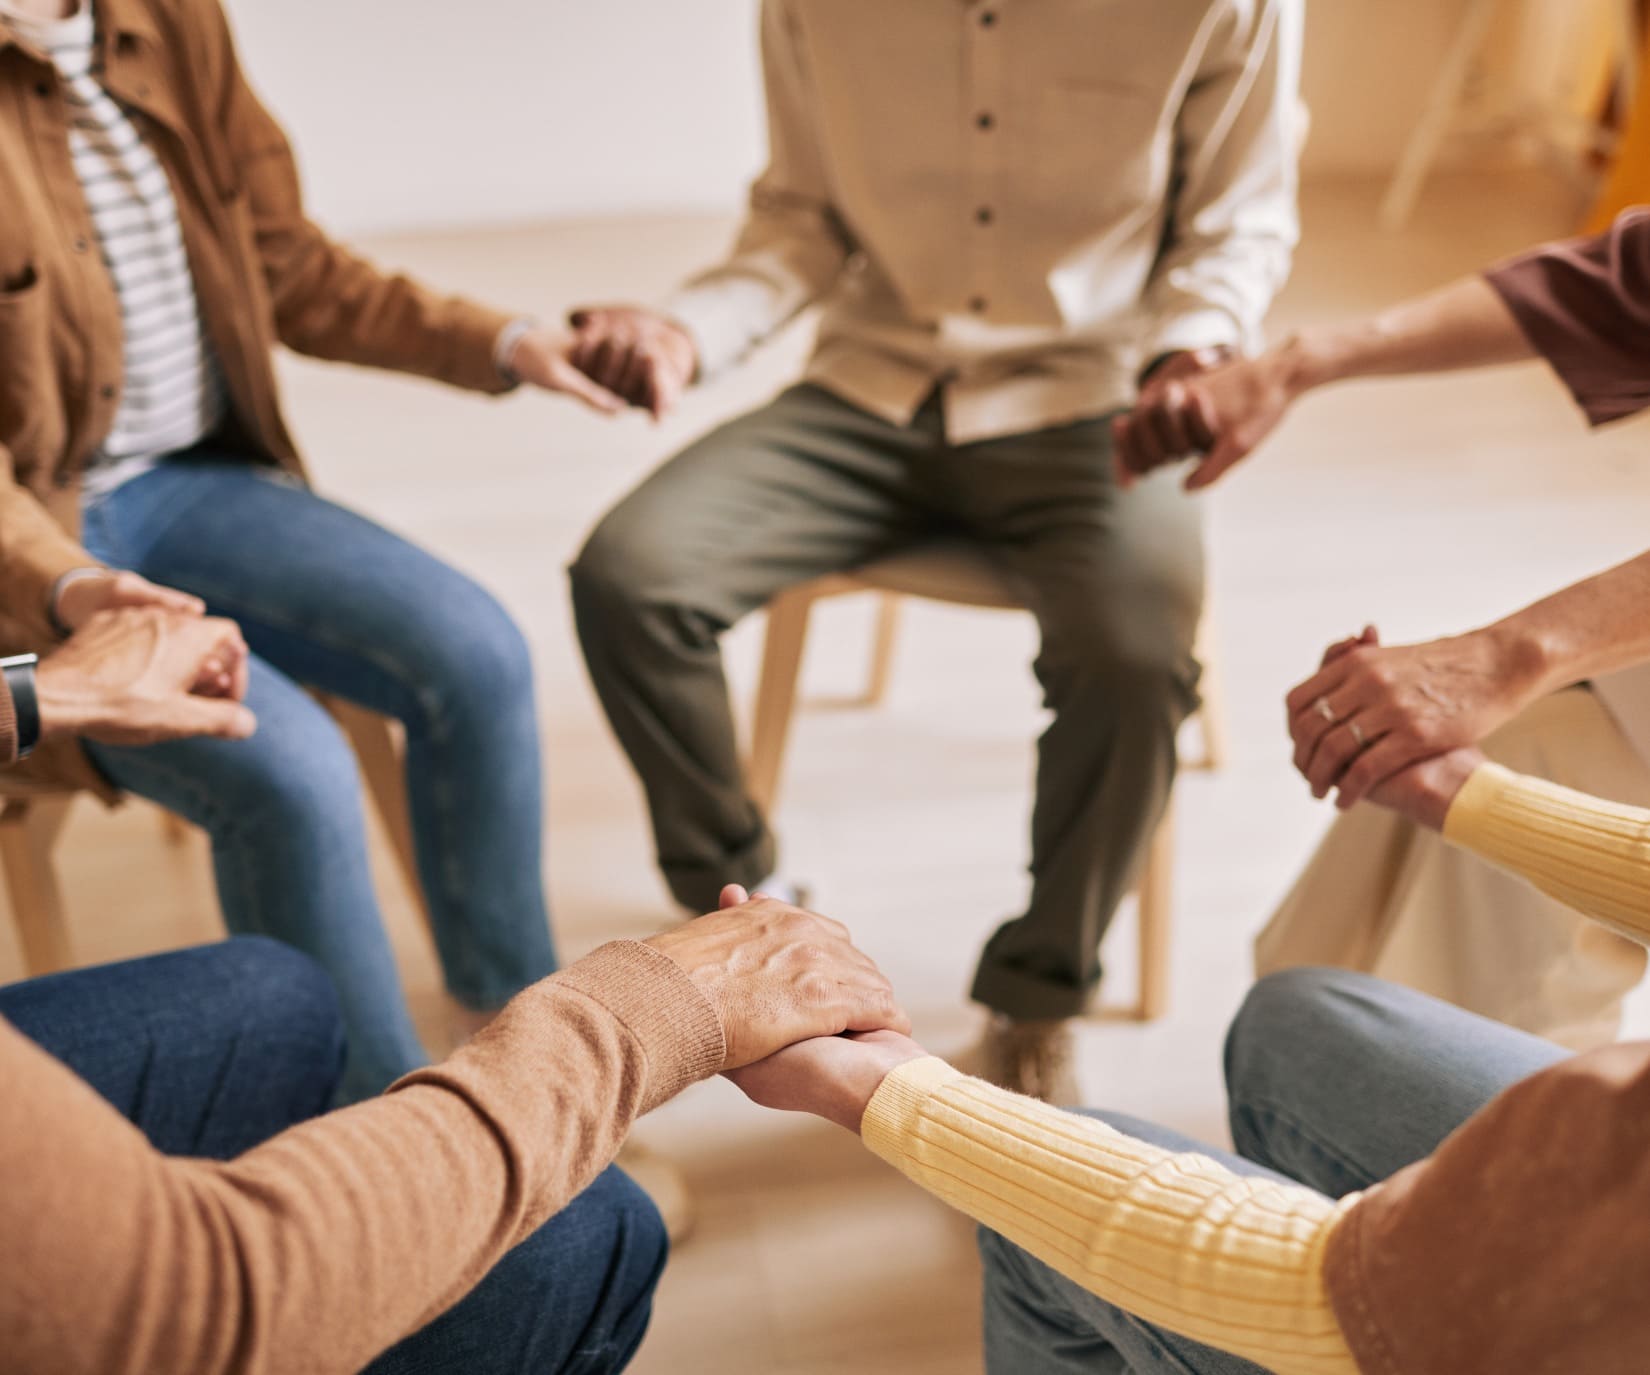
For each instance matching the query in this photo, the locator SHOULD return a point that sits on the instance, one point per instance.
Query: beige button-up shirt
(1021, 201)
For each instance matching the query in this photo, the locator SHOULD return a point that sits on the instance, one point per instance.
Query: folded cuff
(650, 995)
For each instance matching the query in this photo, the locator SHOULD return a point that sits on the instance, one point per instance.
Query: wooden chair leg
(1211, 717)
(787, 638)
(379, 751)
(1156, 908)
(882, 648)
(28, 835)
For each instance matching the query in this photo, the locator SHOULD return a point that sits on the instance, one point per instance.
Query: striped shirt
(173, 394)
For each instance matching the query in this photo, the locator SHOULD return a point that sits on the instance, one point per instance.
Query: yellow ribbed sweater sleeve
(1174, 1238)
(1590, 854)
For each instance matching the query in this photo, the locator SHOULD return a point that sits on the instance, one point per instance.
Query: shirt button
(107, 391)
(983, 215)
(986, 120)
(80, 245)
(43, 89)
(979, 305)
(987, 18)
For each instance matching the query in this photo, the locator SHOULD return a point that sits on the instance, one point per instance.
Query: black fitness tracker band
(18, 672)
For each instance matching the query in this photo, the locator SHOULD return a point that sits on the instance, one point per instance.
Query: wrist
(63, 604)
(65, 703)
(1308, 360)
(1529, 659)
(504, 347)
(19, 674)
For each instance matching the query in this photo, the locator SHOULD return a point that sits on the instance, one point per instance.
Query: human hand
(1221, 413)
(777, 974)
(1371, 712)
(1424, 792)
(544, 358)
(834, 1077)
(141, 675)
(84, 594)
(637, 354)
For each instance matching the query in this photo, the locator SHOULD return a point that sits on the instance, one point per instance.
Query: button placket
(984, 43)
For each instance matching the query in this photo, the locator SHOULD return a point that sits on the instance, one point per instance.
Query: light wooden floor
(1425, 506)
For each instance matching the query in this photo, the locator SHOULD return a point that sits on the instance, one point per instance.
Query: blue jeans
(1335, 1081)
(330, 601)
(212, 1051)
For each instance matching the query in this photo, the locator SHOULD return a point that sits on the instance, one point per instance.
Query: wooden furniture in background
(31, 825)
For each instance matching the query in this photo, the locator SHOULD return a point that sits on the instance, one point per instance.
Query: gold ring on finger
(1357, 734)
(1322, 707)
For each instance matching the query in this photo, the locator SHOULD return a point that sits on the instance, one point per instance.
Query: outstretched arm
(1225, 414)
(322, 1247)
(1174, 1238)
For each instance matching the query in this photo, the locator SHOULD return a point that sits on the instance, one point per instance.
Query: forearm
(321, 1248)
(1590, 854)
(1590, 628)
(1464, 325)
(1175, 1239)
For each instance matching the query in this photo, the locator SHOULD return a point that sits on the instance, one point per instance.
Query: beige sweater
(318, 1250)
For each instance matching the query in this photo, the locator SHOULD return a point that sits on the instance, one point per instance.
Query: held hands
(777, 975)
(1424, 792)
(1371, 715)
(1217, 411)
(85, 594)
(136, 676)
(639, 355)
(834, 1077)
(544, 358)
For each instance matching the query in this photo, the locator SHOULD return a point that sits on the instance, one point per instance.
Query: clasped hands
(812, 1025)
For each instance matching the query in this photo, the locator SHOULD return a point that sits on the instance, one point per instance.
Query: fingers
(1338, 748)
(732, 896)
(1341, 648)
(1375, 766)
(129, 589)
(1324, 683)
(1225, 455)
(873, 1007)
(566, 378)
(217, 718)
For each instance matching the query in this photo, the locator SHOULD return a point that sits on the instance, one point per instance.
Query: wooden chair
(31, 824)
(963, 575)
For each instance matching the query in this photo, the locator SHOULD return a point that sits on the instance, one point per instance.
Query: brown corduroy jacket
(264, 273)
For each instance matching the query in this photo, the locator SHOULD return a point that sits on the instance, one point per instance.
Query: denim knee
(1280, 1012)
(276, 994)
(303, 787)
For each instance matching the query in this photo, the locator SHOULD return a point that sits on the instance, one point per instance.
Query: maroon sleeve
(1585, 305)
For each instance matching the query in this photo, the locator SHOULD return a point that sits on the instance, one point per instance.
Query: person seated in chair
(1560, 687)
(1415, 1188)
(154, 250)
(178, 1197)
(1013, 214)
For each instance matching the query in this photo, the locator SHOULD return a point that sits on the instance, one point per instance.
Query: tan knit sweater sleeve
(1590, 854)
(319, 1249)
(1174, 1238)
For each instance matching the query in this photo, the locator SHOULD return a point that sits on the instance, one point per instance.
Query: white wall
(412, 114)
